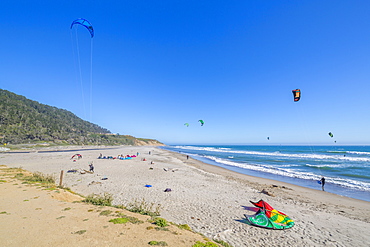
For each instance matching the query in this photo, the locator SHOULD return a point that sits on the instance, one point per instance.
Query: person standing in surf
(322, 183)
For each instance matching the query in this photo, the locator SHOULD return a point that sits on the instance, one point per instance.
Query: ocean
(346, 168)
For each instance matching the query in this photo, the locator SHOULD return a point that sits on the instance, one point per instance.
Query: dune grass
(99, 200)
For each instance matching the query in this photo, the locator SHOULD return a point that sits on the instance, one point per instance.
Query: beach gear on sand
(76, 156)
(268, 217)
(167, 190)
(148, 185)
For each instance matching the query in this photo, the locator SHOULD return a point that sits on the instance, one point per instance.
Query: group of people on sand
(120, 156)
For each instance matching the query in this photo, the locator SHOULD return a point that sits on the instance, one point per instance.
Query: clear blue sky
(160, 64)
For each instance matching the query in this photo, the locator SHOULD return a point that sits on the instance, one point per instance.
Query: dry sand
(211, 200)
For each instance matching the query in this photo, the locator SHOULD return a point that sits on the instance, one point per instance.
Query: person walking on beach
(91, 167)
(322, 183)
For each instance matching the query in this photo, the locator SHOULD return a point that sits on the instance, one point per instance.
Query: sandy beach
(211, 200)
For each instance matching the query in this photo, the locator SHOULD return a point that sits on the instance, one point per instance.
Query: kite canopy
(201, 122)
(331, 134)
(296, 94)
(268, 217)
(186, 124)
(84, 23)
(76, 156)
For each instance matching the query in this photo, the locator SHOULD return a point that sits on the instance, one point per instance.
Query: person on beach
(322, 183)
(187, 157)
(91, 167)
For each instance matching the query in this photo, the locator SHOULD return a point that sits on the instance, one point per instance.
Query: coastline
(210, 199)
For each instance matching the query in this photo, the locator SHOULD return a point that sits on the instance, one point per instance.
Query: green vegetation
(160, 222)
(222, 243)
(144, 208)
(79, 232)
(158, 243)
(207, 244)
(105, 212)
(131, 219)
(185, 227)
(100, 200)
(119, 220)
(27, 121)
(38, 177)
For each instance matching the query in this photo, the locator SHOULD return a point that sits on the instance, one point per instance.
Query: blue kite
(84, 23)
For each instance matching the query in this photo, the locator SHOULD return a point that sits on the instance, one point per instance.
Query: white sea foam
(330, 165)
(293, 173)
(277, 154)
(357, 152)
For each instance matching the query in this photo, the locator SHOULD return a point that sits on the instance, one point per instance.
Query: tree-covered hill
(27, 121)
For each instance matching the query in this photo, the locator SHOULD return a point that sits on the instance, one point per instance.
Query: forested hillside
(27, 121)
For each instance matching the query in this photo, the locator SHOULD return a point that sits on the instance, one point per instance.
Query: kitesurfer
(322, 183)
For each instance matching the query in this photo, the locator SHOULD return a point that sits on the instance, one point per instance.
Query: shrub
(144, 208)
(39, 177)
(207, 244)
(160, 243)
(124, 219)
(160, 222)
(119, 220)
(185, 227)
(100, 200)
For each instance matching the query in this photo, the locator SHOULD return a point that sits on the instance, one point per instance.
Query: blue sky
(159, 64)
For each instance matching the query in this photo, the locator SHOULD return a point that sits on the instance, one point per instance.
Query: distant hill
(27, 121)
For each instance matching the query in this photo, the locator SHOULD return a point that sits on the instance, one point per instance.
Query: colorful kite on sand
(268, 217)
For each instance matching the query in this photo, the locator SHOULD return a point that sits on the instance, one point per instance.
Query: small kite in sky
(84, 23)
(296, 94)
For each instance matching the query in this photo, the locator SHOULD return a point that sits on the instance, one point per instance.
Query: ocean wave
(277, 154)
(358, 185)
(329, 165)
(358, 152)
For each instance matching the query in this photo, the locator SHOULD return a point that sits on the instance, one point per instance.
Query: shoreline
(303, 181)
(210, 199)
